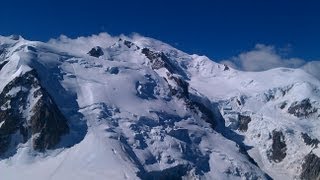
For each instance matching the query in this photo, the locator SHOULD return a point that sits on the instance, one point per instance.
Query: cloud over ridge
(264, 57)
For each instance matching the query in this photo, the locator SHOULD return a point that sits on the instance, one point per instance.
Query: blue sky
(220, 29)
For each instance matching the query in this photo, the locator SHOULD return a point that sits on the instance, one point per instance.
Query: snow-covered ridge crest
(137, 108)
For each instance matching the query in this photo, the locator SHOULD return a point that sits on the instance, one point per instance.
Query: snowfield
(137, 108)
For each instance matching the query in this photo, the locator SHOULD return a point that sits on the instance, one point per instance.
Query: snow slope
(139, 109)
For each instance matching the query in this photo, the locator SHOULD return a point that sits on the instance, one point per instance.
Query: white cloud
(82, 45)
(263, 57)
(313, 68)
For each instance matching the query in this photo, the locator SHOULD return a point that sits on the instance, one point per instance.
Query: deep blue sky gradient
(217, 28)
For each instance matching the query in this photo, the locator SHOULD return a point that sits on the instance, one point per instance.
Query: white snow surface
(126, 134)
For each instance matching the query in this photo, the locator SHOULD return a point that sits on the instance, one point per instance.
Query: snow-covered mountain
(105, 107)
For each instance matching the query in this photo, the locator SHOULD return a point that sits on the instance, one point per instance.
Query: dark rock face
(113, 70)
(128, 43)
(302, 109)
(226, 67)
(283, 105)
(96, 52)
(311, 167)
(239, 102)
(2, 64)
(204, 112)
(159, 60)
(278, 150)
(309, 141)
(1, 50)
(243, 122)
(183, 85)
(29, 111)
(49, 123)
(182, 90)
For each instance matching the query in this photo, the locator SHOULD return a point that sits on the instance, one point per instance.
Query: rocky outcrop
(96, 52)
(302, 109)
(48, 123)
(202, 111)
(311, 167)
(113, 70)
(160, 60)
(283, 105)
(309, 141)
(129, 44)
(243, 122)
(182, 87)
(2, 64)
(27, 111)
(1, 51)
(226, 67)
(278, 149)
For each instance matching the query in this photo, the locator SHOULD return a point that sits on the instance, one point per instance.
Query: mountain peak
(137, 108)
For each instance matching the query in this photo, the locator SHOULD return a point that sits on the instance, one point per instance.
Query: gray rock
(158, 60)
(311, 168)
(202, 110)
(46, 125)
(309, 141)
(2, 64)
(226, 67)
(302, 109)
(182, 90)
(128, 43)
(243, 122)
(2, 50)
(283, 105)
(278, 149)
(49, 122)
(113, 70)
(96, 52)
